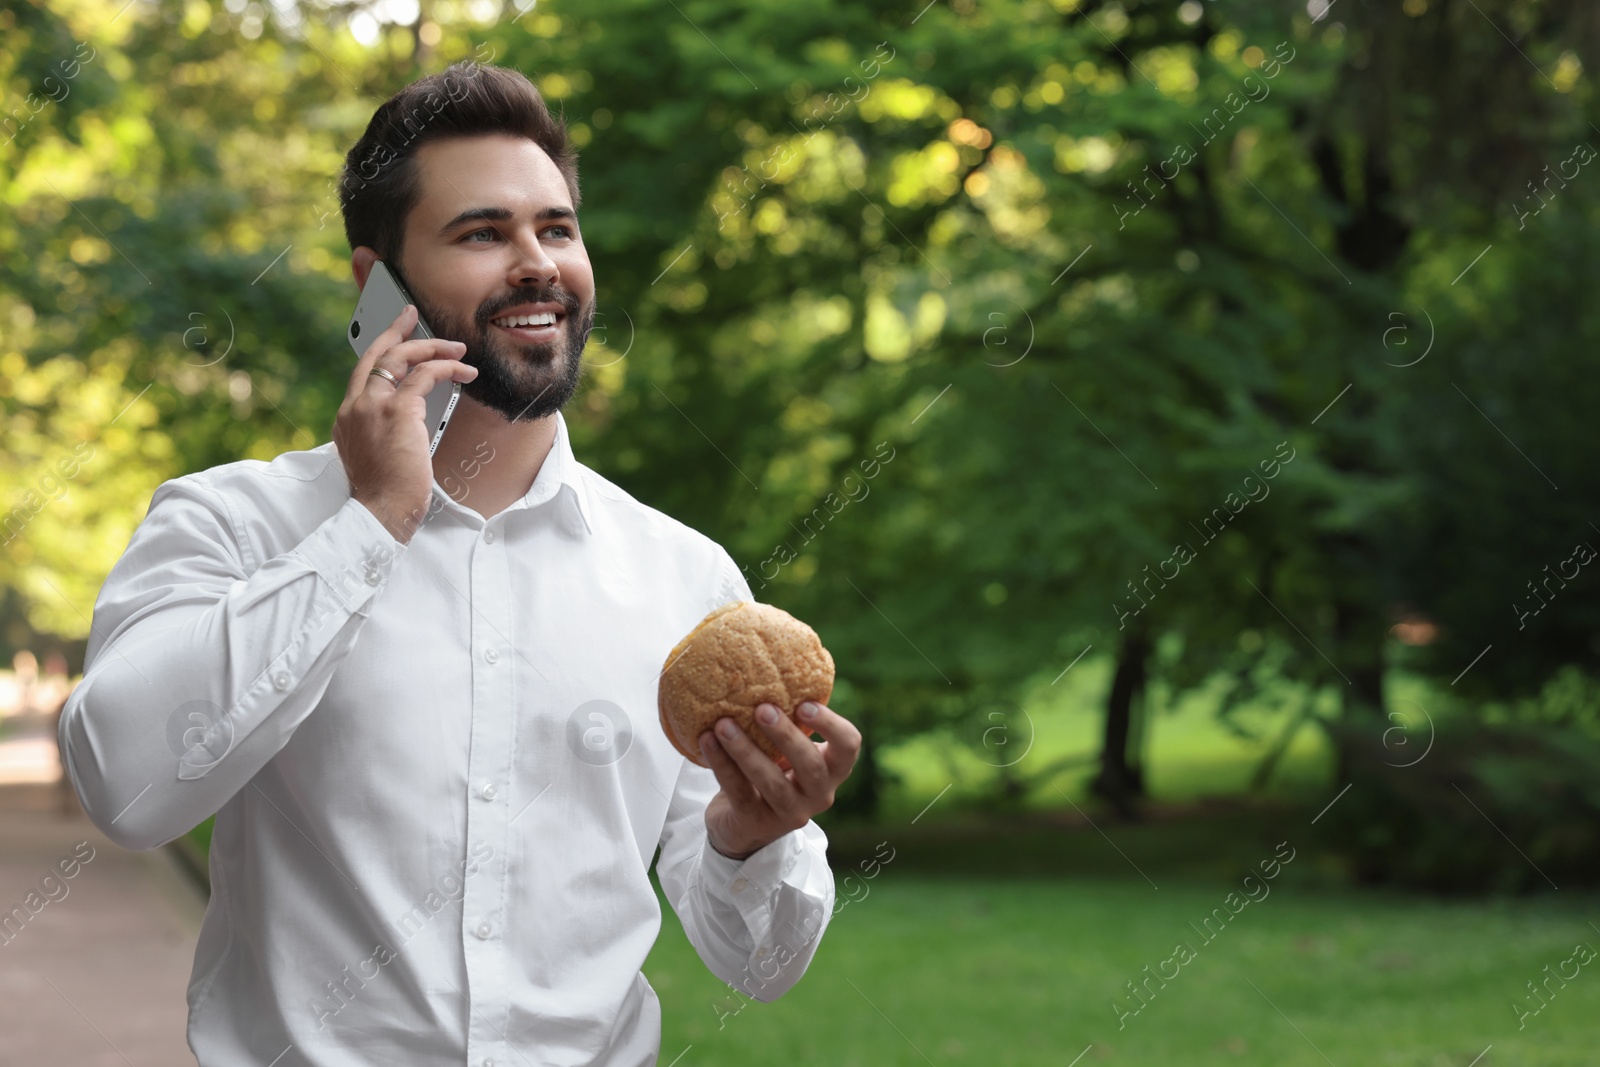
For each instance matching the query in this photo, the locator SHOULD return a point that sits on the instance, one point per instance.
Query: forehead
(456, 173)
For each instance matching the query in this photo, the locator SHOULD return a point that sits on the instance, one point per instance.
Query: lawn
(1004, 970)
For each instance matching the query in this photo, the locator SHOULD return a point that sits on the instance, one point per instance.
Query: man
(425, 719)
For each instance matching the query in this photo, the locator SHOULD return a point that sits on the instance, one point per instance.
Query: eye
(564, 229)
(475, 233)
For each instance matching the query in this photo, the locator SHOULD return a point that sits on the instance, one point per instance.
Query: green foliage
(1503, 495)
(827, 234)
(1490, 807)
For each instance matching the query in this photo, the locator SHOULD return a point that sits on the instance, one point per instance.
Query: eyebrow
(500, 214)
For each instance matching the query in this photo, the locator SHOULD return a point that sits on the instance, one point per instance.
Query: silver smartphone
(381, 301)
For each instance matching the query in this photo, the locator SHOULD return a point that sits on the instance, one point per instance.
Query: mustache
(568, 302)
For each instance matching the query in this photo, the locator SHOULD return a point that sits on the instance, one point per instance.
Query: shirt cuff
(354, 553)
(748, 884)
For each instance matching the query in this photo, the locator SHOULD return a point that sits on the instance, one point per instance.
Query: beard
(523, 382)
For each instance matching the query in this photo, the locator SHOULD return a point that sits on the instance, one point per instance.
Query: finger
(388, 376)
(401, 327)
(729, 776)
(805, 758)
(775, 788)
(841, 739)
(407, 356)
(429, 373)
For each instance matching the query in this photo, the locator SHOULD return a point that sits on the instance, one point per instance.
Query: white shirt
(438, 770)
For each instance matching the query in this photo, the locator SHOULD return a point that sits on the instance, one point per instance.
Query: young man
(426, 719)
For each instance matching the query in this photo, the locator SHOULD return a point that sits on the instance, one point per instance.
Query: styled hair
(379, 185)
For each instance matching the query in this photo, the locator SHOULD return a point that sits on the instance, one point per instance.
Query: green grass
(1000, 971)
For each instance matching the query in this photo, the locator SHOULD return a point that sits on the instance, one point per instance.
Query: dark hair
(378, 184)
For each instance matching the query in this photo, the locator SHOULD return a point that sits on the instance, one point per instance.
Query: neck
(486, 463)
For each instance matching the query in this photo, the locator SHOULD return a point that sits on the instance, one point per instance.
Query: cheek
(460, 291)
(577, 275)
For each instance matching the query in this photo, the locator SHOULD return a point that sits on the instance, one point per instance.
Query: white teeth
(544, 318)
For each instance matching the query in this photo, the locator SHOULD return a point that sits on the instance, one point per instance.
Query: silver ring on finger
(384, 374)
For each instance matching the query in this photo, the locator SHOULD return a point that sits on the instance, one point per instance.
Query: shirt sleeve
(202, 660)
(755, 922)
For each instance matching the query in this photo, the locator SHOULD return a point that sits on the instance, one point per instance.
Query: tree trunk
(862, 792)
(1358, 650)
(1120, 780)
(421, 50)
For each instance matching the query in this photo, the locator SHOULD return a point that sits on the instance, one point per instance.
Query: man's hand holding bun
(741, 694)
(760, 800)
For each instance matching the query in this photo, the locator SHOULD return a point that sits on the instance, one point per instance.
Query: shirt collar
(561, 469)
(561, 475)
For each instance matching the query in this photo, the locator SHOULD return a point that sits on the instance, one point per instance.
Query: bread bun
(743, 654)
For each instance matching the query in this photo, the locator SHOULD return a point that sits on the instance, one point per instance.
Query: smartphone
(381, 301)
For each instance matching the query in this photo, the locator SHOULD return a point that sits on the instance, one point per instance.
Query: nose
(532, 266)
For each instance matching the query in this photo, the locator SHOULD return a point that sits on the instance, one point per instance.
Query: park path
(98, 976)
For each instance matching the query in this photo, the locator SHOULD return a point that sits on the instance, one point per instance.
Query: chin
(525, 384)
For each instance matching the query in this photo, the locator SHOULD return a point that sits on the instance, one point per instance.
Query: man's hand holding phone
(380, 430)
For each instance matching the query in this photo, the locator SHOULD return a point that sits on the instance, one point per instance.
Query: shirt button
(281, 681)
(373, 577)
(488, 791)
(483, 931)
(741, 884)
(491, 655)
(488, 1063)
(488, 537)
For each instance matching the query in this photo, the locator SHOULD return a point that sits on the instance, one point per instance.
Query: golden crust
(739, 656)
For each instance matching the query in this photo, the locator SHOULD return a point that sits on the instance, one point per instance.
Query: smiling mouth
(532, 332)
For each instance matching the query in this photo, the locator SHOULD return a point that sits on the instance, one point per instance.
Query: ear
(361, 261)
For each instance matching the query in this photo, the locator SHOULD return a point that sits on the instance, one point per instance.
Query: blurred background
(1178, 419)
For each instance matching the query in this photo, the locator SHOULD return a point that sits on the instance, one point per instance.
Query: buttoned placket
(493, 730)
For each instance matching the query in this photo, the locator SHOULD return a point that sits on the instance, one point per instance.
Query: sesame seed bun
(743, 654)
